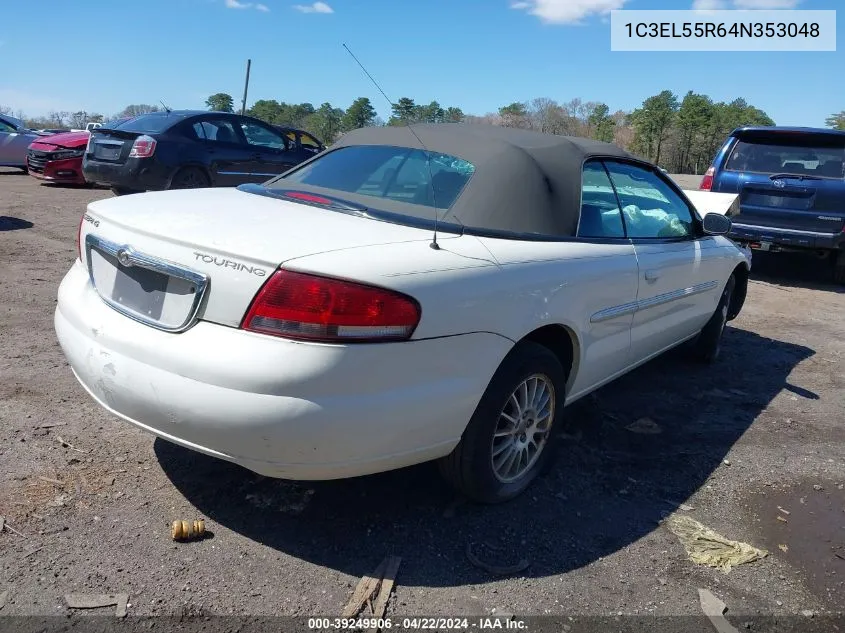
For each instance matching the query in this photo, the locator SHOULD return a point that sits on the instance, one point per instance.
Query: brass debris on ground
(187, 530)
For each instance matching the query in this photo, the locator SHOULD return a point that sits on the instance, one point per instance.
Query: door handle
(652, 275)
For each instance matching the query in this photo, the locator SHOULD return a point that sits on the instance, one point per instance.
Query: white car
(323, 325)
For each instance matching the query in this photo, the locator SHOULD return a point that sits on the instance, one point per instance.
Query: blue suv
(791, 186)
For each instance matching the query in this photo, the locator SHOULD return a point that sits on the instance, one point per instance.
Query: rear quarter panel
(173, 152)
(506, 287)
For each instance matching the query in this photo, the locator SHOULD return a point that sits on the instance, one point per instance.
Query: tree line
(62, 119)
(328, 122)
(679, 134)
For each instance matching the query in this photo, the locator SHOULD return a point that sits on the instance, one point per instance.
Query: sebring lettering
(228, 263)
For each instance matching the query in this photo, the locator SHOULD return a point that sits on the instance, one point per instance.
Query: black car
(187, 148)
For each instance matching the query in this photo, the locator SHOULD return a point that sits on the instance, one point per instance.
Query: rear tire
(189, 178)
(502, 452)
(123, 191)
(839, 268)
(708, 345)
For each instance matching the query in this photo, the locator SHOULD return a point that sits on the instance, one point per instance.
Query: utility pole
(246, 86)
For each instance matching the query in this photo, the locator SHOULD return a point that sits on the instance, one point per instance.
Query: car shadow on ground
(798, 270)
(14, 224)
(67, 185)
(609, 486)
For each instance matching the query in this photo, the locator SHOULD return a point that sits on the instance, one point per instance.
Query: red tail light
(314, 308)
(707, 181)
(143, 147)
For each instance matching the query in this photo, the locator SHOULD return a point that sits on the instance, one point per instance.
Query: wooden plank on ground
(366, 587)
(391, 569)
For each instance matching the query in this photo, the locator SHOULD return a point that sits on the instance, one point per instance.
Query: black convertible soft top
(524, 182)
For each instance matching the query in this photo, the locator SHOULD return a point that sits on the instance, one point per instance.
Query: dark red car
(58, 158)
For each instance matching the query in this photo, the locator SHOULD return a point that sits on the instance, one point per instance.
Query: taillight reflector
(143, 147)
(315, 308)
(707, 181)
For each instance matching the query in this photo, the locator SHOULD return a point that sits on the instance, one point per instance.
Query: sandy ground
(759, 431)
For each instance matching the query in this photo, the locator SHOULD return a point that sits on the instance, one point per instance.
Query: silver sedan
(15, 138)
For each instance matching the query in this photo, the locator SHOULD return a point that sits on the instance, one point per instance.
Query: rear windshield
(398, 174)
(148, 123)
(803, 156)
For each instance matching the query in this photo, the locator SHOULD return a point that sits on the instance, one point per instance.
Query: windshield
(115, 122)
(398, 174)
(802, 156)
(13, 121)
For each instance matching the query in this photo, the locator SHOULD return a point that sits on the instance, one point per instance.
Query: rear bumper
(277, 407)
(786, 239)
(67, 171)
(142, 174)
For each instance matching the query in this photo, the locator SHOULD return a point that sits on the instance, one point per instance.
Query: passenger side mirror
(716, 224)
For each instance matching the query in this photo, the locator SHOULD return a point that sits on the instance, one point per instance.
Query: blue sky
(101, 55)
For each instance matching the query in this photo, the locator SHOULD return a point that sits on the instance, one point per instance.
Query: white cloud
(236, 4)
(712, 5)
(766, 4)
(317, 7)
(567, 11)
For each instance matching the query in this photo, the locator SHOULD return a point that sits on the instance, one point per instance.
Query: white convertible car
(323, 325)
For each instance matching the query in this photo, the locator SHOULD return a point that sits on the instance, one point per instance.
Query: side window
(5, 127)
(600, 214)
(260, 136)
(189, 130)
(197, 131)
(220, 131)
(650, 206)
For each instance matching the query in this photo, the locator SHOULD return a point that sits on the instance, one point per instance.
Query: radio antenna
(434, 243)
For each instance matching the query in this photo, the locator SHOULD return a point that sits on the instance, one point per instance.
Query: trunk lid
(209, 250)
(787, 179)
(111, 146)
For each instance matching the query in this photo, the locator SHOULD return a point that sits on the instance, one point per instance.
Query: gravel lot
(760, 430)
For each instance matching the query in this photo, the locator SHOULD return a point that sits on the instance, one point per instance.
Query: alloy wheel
(523, 428)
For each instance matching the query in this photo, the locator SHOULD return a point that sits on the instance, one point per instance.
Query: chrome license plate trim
(128, 256)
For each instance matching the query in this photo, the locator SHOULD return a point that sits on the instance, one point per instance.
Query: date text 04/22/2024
(486, 623)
